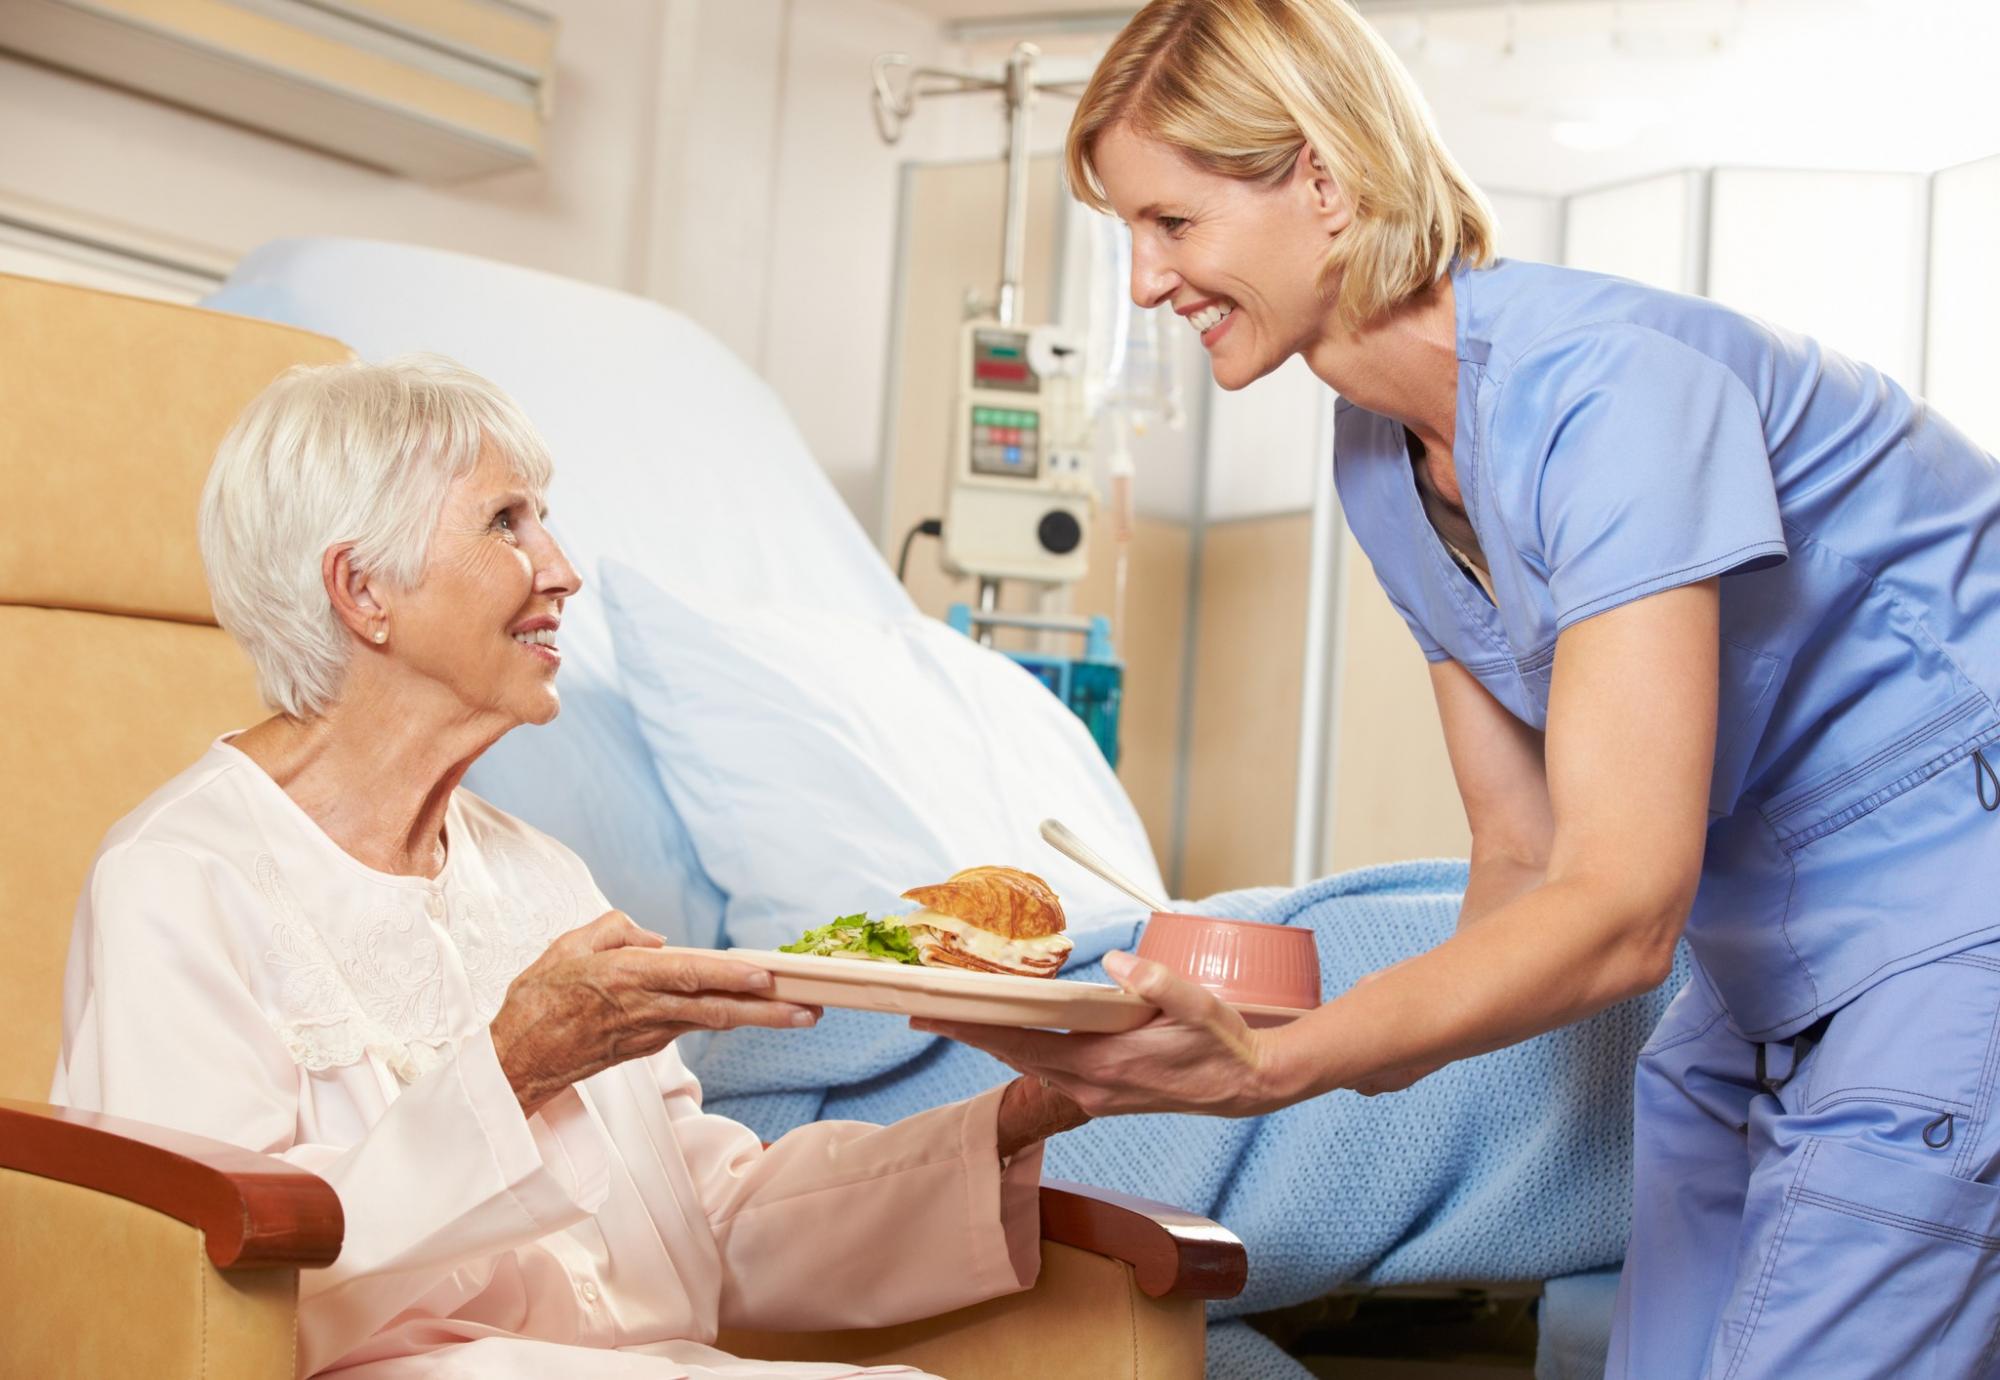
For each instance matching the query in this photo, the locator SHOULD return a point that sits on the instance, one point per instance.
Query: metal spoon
(1064, 841)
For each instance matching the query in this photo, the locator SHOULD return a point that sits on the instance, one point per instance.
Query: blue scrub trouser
(1845, 1224)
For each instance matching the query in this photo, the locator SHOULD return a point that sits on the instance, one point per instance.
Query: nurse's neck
(1403, 365)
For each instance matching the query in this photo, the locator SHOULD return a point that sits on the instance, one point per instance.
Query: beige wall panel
(1152, 642)
(952, 246)
(1393, 794)
(1243, 758)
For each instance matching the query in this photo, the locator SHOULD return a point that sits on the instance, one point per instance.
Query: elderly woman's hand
(601, 994)
(1030, 1112)
(1197, 1055)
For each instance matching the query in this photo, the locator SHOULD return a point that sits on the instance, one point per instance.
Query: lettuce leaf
(856, 936)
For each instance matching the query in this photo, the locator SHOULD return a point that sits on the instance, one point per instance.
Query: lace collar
(383, 981)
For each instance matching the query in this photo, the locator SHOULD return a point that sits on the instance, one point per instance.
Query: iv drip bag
(1132, 367)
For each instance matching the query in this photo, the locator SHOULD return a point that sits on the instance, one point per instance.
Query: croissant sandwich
(992, 920)
(988, 919)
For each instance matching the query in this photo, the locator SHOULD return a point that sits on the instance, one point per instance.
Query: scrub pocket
(1871, 1231)
(1875, 1268)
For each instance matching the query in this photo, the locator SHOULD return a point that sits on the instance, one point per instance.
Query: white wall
(1651, 230)
(832, 209)
(1963, 358)
(716, 155)
(134, 161)
(1531, 225)
(719, 155)
(1561, 96)
(1833, 255)
(716, 131)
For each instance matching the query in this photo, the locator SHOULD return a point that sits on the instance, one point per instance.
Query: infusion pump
(1018, 496)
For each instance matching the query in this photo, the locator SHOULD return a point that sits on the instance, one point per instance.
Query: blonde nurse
(1713, 621)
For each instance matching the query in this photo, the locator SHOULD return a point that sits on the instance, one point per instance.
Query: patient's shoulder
(198, 811)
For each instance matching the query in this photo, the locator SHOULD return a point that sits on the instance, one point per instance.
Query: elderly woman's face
(482, 620)
(1237, 261)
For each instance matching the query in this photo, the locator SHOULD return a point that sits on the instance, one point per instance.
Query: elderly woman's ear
(353, 595)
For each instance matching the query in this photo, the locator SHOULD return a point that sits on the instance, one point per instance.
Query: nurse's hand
(603, 993)
(1197, 1055)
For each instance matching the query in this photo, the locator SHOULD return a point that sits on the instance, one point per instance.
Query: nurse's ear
(1322, 197)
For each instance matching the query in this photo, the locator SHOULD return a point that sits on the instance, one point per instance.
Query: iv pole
(1018, 88)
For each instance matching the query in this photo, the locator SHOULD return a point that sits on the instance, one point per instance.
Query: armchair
(134, 1249)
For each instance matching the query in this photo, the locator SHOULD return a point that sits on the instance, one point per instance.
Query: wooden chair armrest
(1171, 1252)
(255, 1211)
(258, 1211)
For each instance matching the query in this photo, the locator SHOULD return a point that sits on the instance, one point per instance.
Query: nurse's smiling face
(1237, 260)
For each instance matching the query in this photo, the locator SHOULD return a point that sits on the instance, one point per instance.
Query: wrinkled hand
(1197, 1055)
(600, 995)
(1031, 1111)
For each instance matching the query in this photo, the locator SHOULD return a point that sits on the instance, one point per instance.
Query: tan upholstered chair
(131, 1250)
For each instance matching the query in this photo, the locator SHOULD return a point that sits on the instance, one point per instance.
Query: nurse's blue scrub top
(1614, 441)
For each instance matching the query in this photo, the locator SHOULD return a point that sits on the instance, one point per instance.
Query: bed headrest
(671, 454)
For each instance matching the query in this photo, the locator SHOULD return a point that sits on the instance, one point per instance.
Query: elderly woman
(312, 943)
(1713, 619)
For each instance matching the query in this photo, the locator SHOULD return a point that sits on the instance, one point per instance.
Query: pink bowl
(1244, 962)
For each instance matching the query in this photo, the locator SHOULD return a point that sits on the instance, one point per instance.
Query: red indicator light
(1000, 369)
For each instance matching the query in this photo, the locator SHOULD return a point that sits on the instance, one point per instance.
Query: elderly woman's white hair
(334, 453)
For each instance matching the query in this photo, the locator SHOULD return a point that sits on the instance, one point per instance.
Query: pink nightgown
(234, 973)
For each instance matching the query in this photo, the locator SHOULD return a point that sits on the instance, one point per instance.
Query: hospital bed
(134, 1250)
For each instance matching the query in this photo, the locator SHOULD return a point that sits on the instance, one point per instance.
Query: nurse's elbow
(1640, 930)
(1650, 965)
(1649, 944)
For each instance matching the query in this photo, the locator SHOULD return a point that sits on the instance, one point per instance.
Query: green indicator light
(1004, 351)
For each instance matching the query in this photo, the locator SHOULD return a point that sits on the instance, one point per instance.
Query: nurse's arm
(1496, 759)
(1630, 749)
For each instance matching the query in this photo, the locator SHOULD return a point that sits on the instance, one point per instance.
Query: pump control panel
(1019, 498)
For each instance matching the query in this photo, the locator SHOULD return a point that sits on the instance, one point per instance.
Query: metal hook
(1944, 1121)
(890, 109)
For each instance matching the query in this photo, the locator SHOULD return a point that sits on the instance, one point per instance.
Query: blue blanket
(1511, 1166)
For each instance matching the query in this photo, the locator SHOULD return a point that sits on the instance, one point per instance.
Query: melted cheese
(989, 946)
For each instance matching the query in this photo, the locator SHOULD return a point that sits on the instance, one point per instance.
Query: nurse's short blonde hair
(333, 453)
(1239, 86)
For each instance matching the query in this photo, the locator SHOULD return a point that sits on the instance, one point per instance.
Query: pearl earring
(381, 635)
